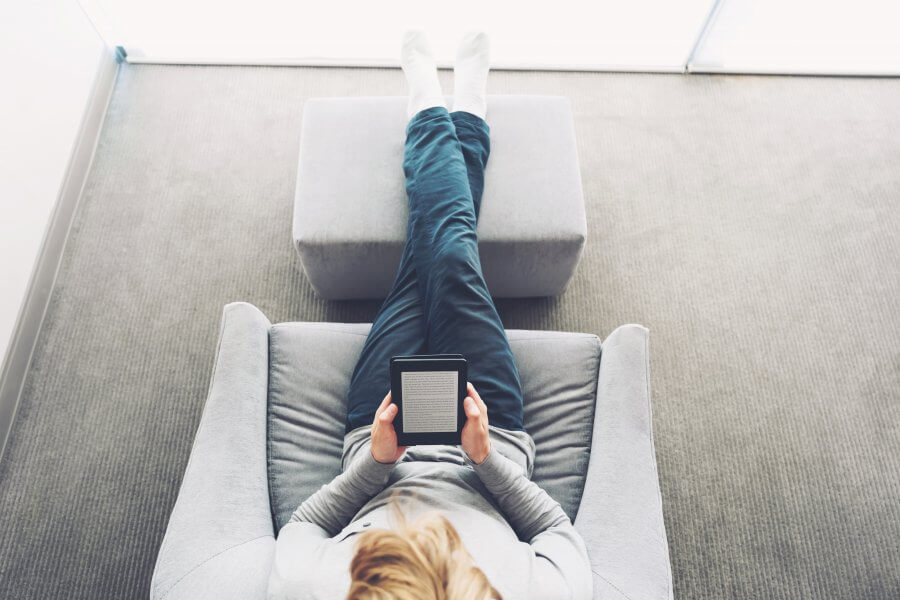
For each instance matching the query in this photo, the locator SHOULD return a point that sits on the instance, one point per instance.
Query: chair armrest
(620, 516)
(220, 539)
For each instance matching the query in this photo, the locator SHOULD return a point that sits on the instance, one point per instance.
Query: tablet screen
(429, 401)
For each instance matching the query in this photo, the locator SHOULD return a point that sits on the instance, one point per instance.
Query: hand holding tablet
(475, 438)
(385, 448)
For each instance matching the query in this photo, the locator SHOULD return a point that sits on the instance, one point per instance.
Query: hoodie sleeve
(561, 567)
(335, 504)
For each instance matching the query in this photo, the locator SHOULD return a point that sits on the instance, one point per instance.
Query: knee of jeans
(455, 260)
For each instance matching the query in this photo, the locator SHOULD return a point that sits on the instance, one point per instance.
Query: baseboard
(134, 57)
(43, 276)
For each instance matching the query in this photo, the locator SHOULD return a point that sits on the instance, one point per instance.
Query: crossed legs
(439, 303)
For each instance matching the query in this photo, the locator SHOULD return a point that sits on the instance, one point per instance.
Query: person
(483, 528)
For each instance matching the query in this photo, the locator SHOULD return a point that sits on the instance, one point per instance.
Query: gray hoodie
(516, 533)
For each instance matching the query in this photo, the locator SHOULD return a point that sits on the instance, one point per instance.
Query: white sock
(421, 73)
(470, 74)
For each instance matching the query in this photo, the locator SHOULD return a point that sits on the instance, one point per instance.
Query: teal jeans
(439, 303)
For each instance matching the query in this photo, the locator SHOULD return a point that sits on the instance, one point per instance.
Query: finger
(384, 404)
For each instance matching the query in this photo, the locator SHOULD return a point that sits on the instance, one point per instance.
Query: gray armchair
(254, 459)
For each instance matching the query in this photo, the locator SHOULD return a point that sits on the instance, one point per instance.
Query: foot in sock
(421, 73)
(470, 74)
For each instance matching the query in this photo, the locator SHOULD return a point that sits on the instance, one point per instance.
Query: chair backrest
(309, 373)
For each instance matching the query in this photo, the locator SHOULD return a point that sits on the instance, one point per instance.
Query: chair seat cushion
(350, 209)
(309, 375)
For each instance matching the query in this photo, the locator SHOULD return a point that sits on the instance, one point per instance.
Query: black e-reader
(429, 391)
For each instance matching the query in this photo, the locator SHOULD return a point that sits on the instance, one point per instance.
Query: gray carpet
(750, 222)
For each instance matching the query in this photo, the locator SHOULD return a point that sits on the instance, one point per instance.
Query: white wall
(570, 34)
(49, 56)
(855, 37)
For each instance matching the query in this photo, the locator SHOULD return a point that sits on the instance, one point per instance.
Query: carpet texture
(750, 222)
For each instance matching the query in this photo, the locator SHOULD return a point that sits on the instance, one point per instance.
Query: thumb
(471, 408)
(388, 414)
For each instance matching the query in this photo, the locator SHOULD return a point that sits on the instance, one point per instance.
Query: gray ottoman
(272, 430)
(350, 209)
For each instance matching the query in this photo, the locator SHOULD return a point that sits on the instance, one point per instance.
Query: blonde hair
(425, 560)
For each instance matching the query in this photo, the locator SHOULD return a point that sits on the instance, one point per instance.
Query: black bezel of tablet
(428, 362)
